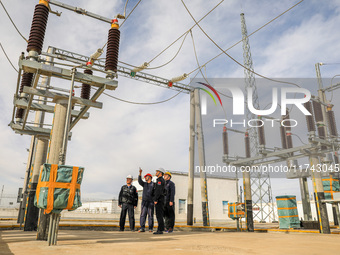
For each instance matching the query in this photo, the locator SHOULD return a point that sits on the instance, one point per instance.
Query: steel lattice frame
(260, 182)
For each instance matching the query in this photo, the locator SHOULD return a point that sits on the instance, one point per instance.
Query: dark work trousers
(169, 216)
(130, 210)
(147, 210)
(159, 215)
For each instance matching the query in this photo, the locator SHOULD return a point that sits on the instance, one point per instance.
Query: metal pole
(248, 202)
(52, 236)
(247, 190)
(307, 211)
(322, 98)
(32, 214)
(56, 142)
(237, 201)
(201, 155)
(320, 196)
(62, 157)
(190, 205)
(23, 202)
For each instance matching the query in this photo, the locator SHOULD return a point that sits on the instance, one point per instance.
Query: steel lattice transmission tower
(260, 182)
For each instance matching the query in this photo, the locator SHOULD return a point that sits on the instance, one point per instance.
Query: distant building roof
(197, 175)
(216, 176)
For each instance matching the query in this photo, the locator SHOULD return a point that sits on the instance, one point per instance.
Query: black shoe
(141, 230)
(170, 230)
(150, 230)
(121, 230)
(158, 232)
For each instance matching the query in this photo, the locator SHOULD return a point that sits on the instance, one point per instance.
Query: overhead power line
(125, 17)
(8, 58)
(131, 102)
(184, 34)
(9, 16)
(171, 44)
(172, 57)
(223, 51)
(141, 103)
(193, 45)
(278, 16)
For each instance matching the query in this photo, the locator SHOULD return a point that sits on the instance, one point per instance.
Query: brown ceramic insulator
(336, 159)
(260, 130)
(289, 140)
(317, 111)
(111, 62)
(225, 142)
(322, 135)
(332, 124)
(321, 132)
(26, 80)
(310, 118)
(20, 113)
(86, 88)
(38, 28)
(283, 137)
(247, 145)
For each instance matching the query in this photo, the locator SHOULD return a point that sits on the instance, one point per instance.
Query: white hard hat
(161, 170)
(129, 176)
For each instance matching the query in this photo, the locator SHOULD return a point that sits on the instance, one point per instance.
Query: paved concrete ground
(114, 242)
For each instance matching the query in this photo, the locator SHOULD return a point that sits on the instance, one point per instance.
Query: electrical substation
(51, 186)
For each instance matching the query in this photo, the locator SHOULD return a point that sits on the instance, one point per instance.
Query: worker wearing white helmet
(128, 200)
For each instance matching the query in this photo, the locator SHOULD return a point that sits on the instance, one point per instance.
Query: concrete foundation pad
(178, 242)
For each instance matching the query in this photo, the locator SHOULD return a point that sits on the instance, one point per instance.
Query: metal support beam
(320, 196)
(36, 79)
(201, 155)
(30, 130)
(124, 71)
(307, 211)
(49, 70)
(191, 173)
(22, 103)
(80, 11)
(84, 110)
(22, 207)
(56, 96)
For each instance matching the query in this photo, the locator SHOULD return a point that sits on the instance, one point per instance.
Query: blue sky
(119, 138)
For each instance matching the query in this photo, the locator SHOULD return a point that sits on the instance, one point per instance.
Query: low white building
(221, 190)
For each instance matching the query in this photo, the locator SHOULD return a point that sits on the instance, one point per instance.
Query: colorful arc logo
(209, 93)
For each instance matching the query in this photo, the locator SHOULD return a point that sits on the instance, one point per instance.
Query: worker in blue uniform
(147, 202)
(169, 205)
(158, 199)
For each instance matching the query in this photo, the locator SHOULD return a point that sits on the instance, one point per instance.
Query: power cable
(150, 68)
(299, 139)
(184, 34)
(125, 17)
(12, 21)
(166, 48)
(8, 58)
(125, 7)
(140, 103)
(198, 64)
(130, 12)
(223, 51)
